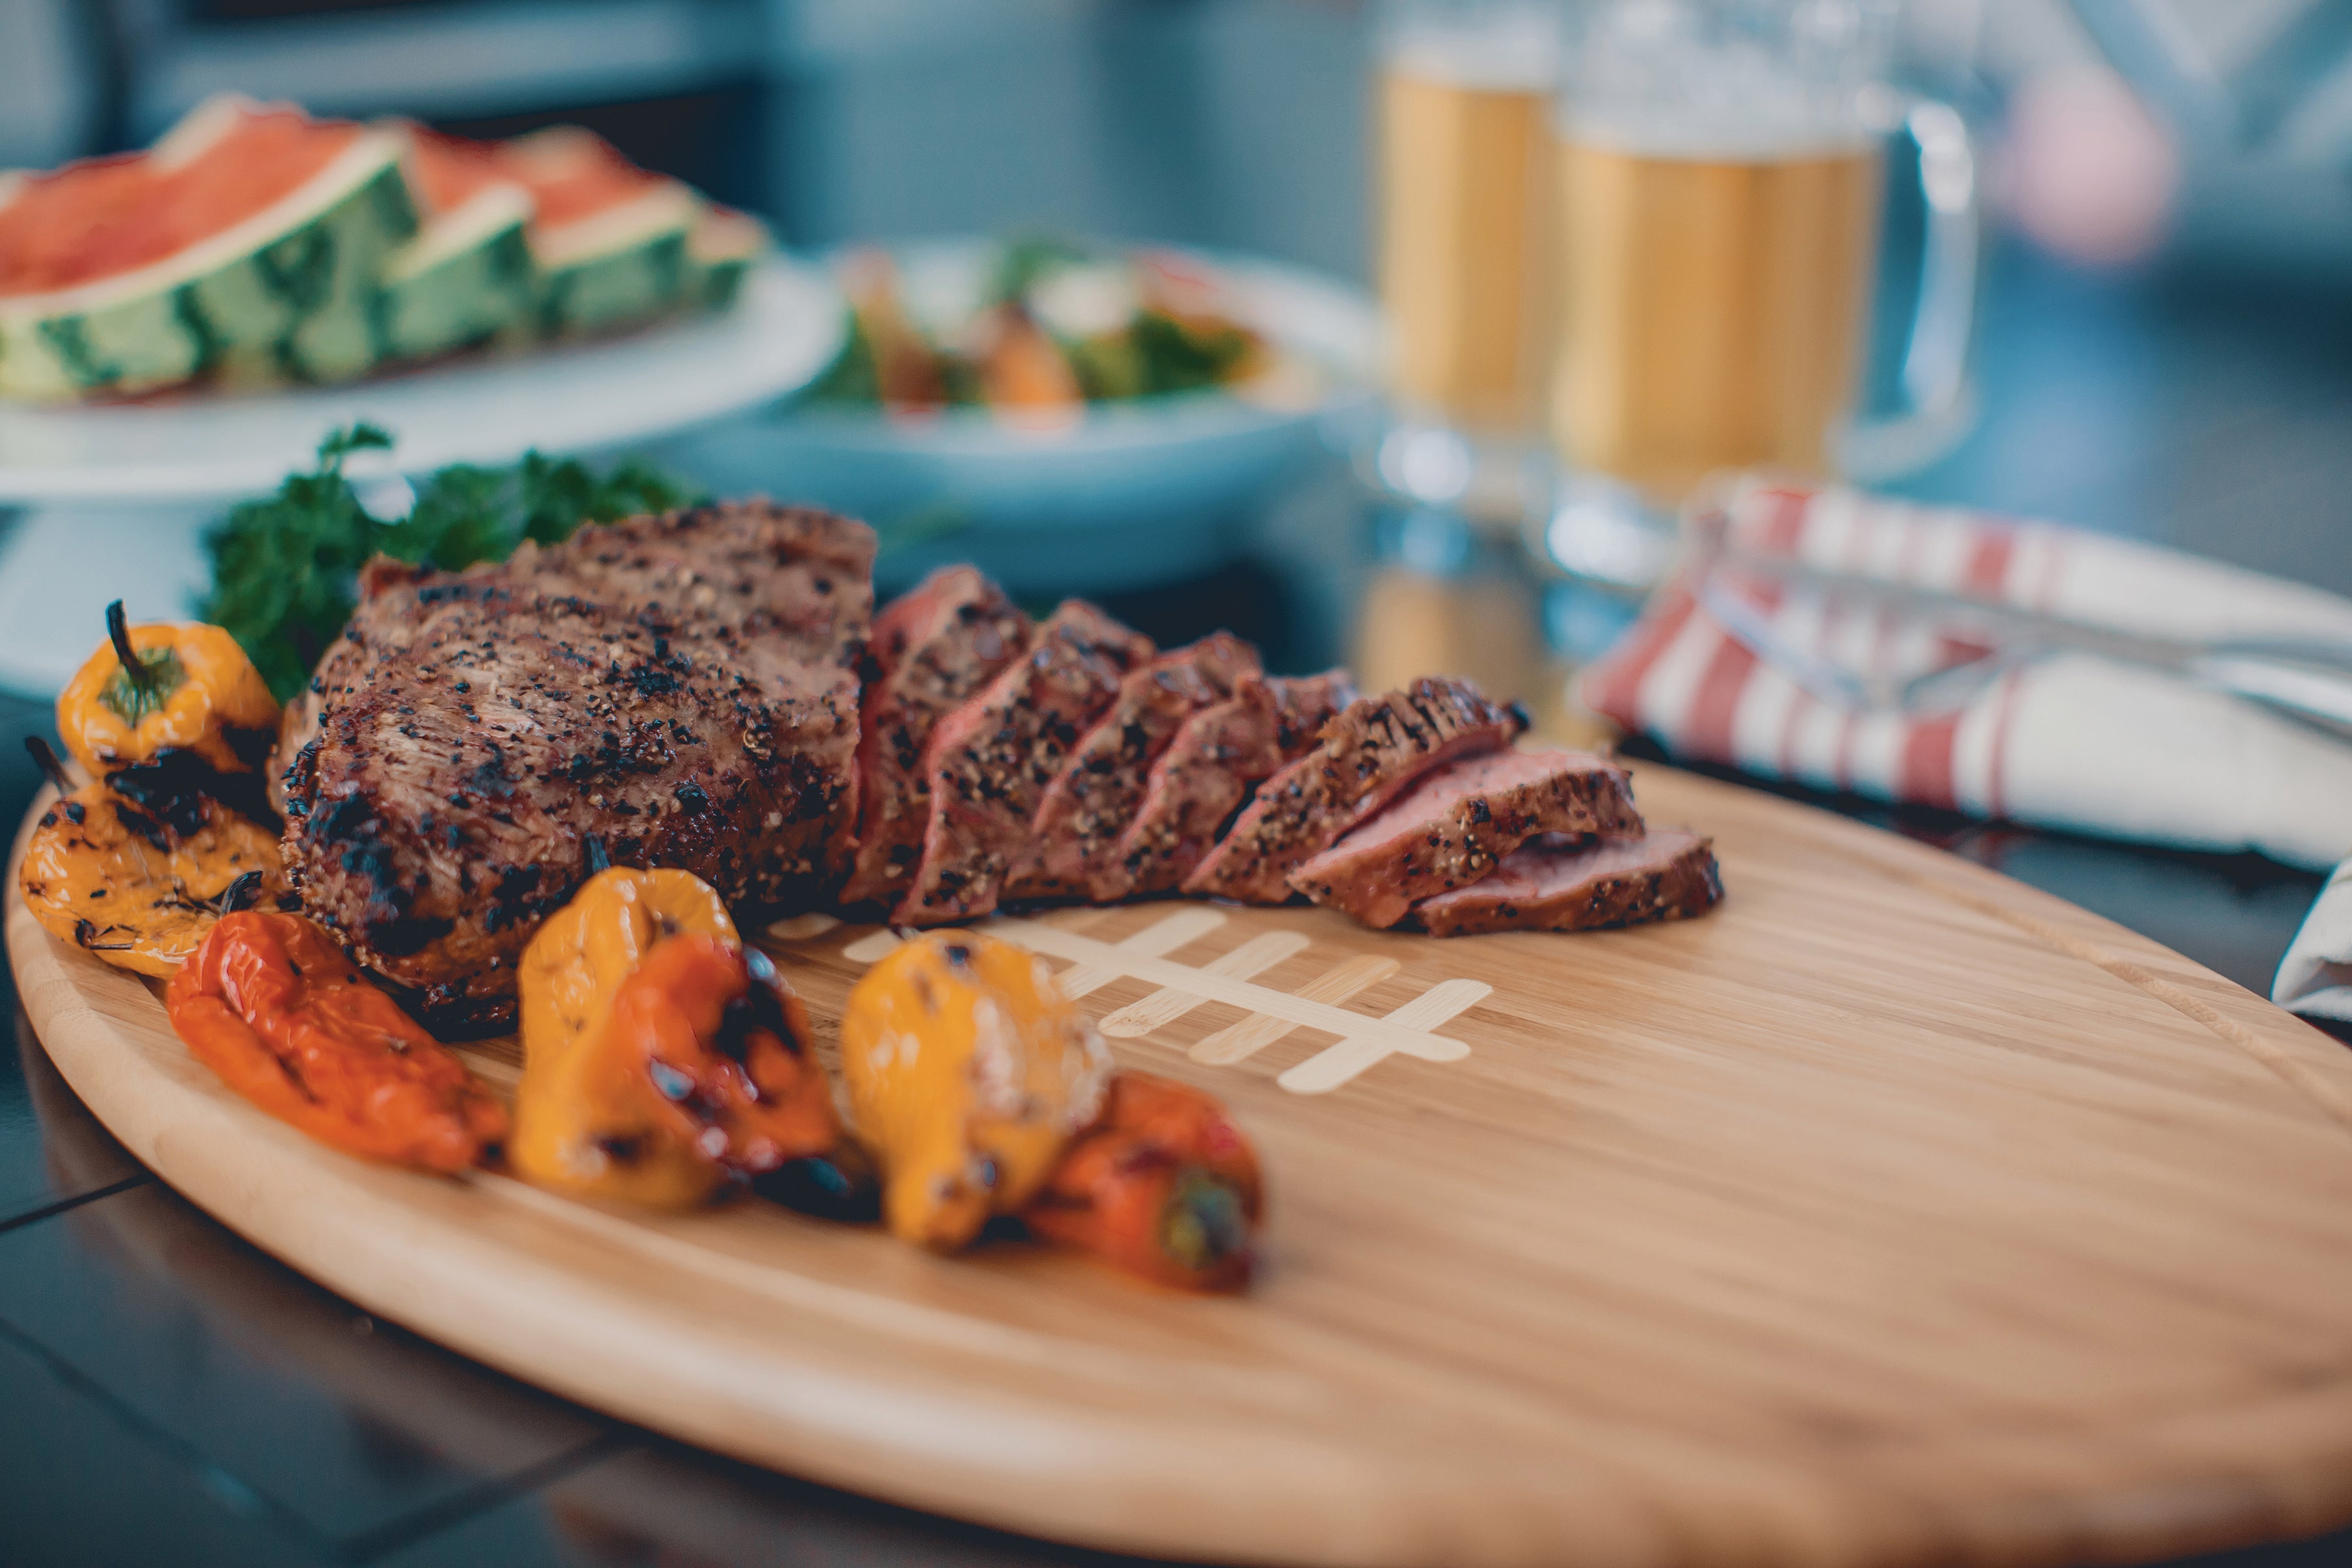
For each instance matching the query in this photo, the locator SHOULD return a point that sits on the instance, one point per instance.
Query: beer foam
(1718, 134)
(1514, 50)
(1665, 80)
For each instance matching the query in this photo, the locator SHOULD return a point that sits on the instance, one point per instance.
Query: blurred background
(2166, 313)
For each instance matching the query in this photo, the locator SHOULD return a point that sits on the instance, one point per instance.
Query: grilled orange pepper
(140, 887)
(274, 1005)
(580, 957)
(967, 1072)
(1163, 1185)
(702, 1074)
(162, 686)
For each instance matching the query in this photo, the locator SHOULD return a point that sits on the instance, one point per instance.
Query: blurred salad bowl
(1070, 418)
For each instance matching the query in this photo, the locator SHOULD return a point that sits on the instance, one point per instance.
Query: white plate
(1134, 491)
(785, 328)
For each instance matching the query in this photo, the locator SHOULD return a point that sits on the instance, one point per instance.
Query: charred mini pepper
(576, 963)
(1163, 1185)
(165, 687)
(275, 1006)
(137, 887)
(702, 1074)
(967, 1070)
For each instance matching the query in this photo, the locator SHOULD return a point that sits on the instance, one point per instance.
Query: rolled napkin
(2314, 978)
(2070, 742)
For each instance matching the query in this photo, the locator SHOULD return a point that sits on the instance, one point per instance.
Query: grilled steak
(1368, 754)
(345, 666)
(931, 650)
(1550, 884)
(1452, 826)
(1072, 848)
(991, 761)
(1201, 779)
(681, 691)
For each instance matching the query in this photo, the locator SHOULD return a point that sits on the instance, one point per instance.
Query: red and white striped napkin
(2072, 741)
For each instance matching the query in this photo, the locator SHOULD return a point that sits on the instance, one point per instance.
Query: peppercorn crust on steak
(677, 691)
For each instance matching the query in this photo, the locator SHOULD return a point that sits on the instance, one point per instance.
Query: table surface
(171, 1394)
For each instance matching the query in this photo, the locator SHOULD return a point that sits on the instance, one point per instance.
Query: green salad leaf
(285, 567)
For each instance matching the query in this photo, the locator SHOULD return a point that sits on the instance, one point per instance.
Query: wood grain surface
(1892, 1213)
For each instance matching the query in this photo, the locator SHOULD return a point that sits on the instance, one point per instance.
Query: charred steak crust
(1560, 885)
(1368, 754)
(675, 690)
(991, 761)
(1201, 779)
(1072, 848)
(932, 650)
(1455, 824)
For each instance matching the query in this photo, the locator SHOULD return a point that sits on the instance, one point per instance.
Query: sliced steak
(990, 761)
(1455, 825)
(931, 651)
(1369, 755)
(1072, 848)
(499, 738)
(1202, 777)
(1549, 884)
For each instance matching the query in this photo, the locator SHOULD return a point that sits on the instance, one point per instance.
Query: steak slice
(500, 740)
(1368, 754)
(932, 650)
(991, 761)
(1072, 848)
(1453, 825)
(1201, 779)
(1549, 884)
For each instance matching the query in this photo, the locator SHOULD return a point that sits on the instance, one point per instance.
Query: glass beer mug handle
(1935, 370)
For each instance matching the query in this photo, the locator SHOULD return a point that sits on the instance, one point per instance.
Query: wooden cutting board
(1893, 1212)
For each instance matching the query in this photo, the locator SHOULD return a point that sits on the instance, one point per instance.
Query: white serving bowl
(1135, 491)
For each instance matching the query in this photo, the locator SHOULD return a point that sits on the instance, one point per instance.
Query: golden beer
(1712, 308)
(1465, 148)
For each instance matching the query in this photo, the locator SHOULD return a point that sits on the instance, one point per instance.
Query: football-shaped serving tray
(1892, 1213)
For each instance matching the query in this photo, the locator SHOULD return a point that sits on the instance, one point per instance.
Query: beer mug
(1465, 94)
(1720, 168)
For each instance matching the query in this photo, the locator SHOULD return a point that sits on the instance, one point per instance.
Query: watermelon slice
(720, 250)
(467, 277)
(242, 248)
(609, 238)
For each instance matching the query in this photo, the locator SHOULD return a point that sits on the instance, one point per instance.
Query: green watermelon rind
(465, 279)
(616, 270)
(281, 296)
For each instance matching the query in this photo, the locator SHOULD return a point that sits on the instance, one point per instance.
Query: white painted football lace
(1363, 1042)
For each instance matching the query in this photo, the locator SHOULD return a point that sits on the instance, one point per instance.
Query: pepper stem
(118, 632)
(1202, 1225)
(46, 761)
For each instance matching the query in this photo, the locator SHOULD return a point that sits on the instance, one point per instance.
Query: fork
(2309, 681)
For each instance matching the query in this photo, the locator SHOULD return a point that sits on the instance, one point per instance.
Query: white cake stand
(109, 501)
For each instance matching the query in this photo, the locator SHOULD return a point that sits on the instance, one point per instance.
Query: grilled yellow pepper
(138, 889)
(701, 1075)
(967, 1072)
(582, 954)
(162, 686)
(573, 1098)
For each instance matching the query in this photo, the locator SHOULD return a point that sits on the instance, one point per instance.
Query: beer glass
(1464, 93)
(1720, 167)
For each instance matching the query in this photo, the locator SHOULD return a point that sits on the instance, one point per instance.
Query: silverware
(1601, 532)
(2308, 679)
